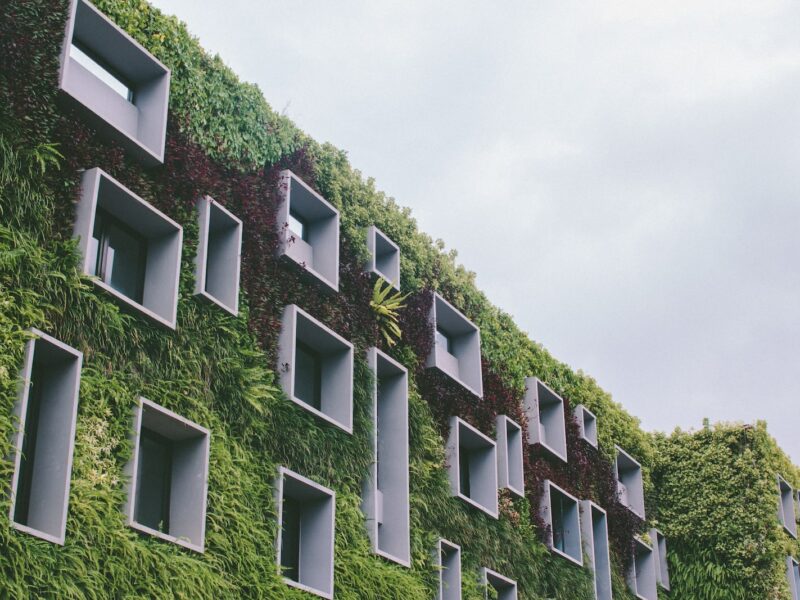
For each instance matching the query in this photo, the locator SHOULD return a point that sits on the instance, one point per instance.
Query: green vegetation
(713, 494)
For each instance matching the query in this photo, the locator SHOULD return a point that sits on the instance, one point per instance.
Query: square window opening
(449, 563)
(218, 258)
(305, 533)
(308, 226)
(132, 250)
(594, 534)
(546, 417)
(168, 482)
(121, 89)
(456, 351)
(44, 441)
(385, 498)
(510, 455)
(504, 588)
(316, 368)
(472, 466)
(561, 514)
(384, 255)
(630, 483)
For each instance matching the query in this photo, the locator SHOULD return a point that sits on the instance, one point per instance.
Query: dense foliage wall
(225, 141)
(717, 499)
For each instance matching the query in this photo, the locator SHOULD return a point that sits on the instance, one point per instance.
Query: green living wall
(219, 371)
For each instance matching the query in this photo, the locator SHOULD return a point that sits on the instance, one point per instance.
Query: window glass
(308, 375)
(154, 480)
(444, 341)
(97, 67)
(298, 225)
(290, 539)
(463, 472)
(29, 439)
(121, 256)
(557, 503)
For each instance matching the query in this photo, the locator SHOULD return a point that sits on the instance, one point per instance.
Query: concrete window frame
(319, 254)
(642, 572)
(384, 256)
(546, 418)
(587, 425)
(219, 251)
(448, 563)
(188, 490)
(385, 498)
(659, 543)
(164, 243)
(793, 577)
(138, 124)
(336, 394)
(573, 549)
(786, 507)
(594, 533)
(55, 412)
(317, 531)
(463, 365)
(482, 455)
(510, 465)
(630, 484)
(506, 588)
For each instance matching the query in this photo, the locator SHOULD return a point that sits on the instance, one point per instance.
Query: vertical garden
(713, 493)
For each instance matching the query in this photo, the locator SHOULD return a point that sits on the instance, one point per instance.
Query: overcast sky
(622, 174)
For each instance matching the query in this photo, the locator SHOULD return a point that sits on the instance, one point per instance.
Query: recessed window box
(385, 495)
(509, 455)
(457, 346)
(630, 485)
(43, 445)
(306, 516)
(587, 425)
(384, 256)
(594, 532)
(132, 250)
(561, 515)
(309, 229)
(505, 588)
(316, 367)
(218, 255)
(642, 572)
(121, 88)
(659, 543)
(449, 564)
(793, 576)
(546, 421)
(168, 476)
(472, 466)
(786, 513)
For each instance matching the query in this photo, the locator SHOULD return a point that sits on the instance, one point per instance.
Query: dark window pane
(463, 472)
(308, 375)
(290, 539)
(298, 225)
(27, 462)
(121, 256)
(557, 502)
(443, 340)
(154, 480)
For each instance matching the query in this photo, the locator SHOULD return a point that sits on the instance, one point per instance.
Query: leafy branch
(386, 306)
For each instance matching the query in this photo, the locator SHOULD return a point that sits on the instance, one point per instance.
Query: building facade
(232, 368)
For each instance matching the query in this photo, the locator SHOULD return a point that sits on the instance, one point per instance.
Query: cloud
(621, 175)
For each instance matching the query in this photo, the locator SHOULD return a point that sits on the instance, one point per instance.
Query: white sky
(621, 174)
